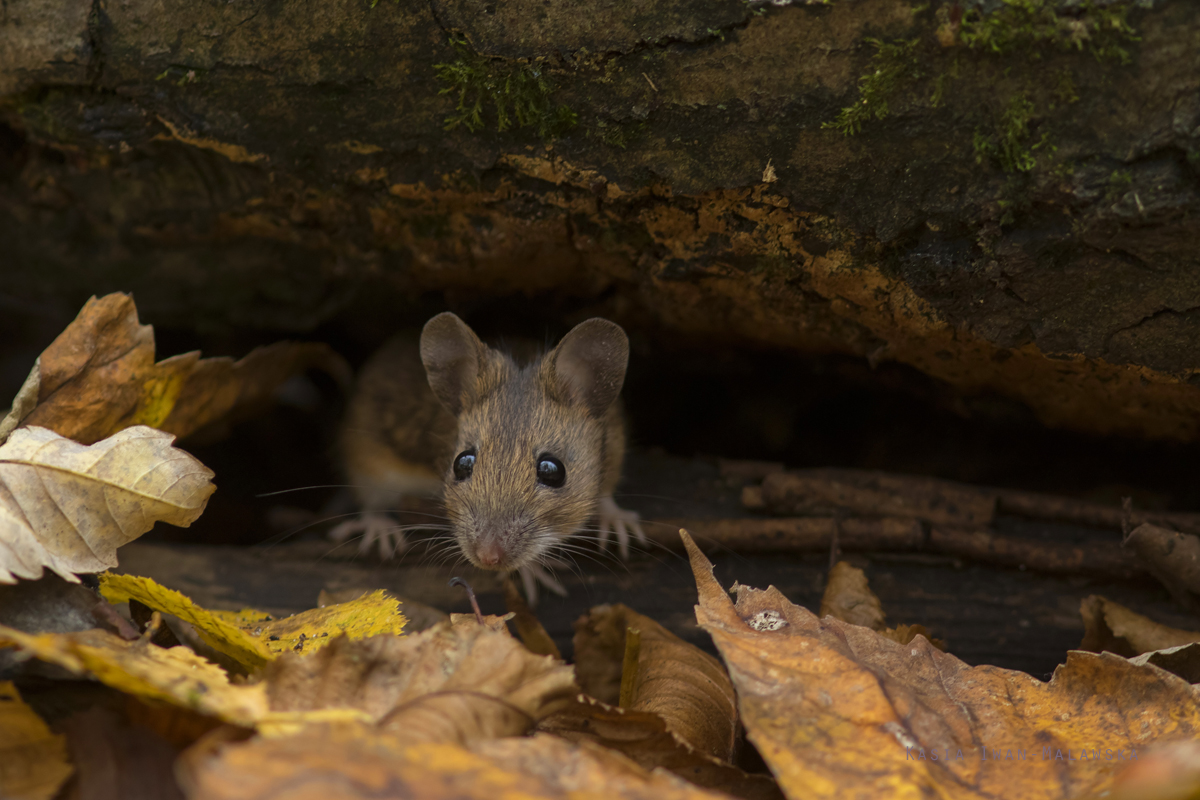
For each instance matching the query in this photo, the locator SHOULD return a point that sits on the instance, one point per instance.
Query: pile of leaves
(340, 701)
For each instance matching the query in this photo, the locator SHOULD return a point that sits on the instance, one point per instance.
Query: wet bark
(1020, 224)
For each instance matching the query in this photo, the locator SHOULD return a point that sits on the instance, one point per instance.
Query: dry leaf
(418, 616)
(33, 761)
(644, 738)
(837, 710)
(1169, 772)
(69, 507)
(252, 638)
(686, 687)
(353, 762)
(848, 597)
(1113, 627)
(114, 759)
(529, 628)
(176, 676)
(453, 682)
(1170, 556)
(99, 377)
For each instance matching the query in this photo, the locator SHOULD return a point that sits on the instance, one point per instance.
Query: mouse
(523, 448)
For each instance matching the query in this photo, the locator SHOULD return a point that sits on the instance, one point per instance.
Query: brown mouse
(523, 454)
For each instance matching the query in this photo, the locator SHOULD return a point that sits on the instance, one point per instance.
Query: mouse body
(524, 449)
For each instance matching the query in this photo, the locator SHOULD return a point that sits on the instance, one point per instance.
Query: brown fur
(510, 414)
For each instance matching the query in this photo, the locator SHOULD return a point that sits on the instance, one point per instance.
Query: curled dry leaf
(355, 762)
(454, 682)
(643, 738)
(679, 682)
(837, 710)
(1113, 627)
(99, 377)
(69, 507)
(529, 628)
(1171, 557)
(176, 675)
(33, 761)
(252, 638)
(848, 597)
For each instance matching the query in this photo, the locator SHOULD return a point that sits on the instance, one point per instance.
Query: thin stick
(456, 581)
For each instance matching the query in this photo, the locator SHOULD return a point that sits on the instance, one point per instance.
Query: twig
(900, 534)
(456, 581)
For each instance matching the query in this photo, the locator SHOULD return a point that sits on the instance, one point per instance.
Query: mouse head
(530, 454)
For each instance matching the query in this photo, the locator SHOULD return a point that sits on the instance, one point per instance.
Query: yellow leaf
(69, 507)
(370, 615)
(33, 761)
(220, 633)
(252, 638)
(175, 675)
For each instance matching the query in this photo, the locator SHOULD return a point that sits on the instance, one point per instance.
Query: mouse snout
(490, 554)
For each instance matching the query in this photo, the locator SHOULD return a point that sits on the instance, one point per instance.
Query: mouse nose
(489, 554)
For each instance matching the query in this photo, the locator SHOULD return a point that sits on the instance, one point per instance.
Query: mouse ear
(453, 358)
(588, 366)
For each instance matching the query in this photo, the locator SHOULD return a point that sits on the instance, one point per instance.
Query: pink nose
(489, 554)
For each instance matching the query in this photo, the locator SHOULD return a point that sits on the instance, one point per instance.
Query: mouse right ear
(454, 358)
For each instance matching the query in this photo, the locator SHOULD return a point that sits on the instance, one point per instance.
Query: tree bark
(1015, 216)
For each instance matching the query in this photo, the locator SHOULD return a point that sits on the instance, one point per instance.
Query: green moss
(1024, 29)
(616, 134)
(1027, 25)
(508, 94)
(893, 67)
(1008, 142)
(1118, 184)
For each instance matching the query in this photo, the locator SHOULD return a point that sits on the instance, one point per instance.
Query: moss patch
(961, 42)
(506, 94)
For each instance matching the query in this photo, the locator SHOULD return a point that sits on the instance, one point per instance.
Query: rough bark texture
(1015, 216)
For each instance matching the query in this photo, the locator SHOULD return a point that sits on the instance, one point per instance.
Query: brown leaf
(644, 738)
(1170, 556)
(116, 760)
(99, 377)
(353, 762)
(848, 597)
(529, 628)
(1168, 772)
(837, 710)
(1112, 627)
(33, 761)
(686, 687)
(449, 683)
(69, 507)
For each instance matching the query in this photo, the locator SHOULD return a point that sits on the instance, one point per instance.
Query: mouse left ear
(588, 366)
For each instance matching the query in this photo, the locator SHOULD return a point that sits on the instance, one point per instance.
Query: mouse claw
(378, 530)
(532, 575)
(614, 519)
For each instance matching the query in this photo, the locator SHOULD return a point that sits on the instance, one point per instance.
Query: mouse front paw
(614, 519)
(377, 530)
(534, 574)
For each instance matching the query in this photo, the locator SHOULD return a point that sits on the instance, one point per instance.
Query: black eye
(551, 471)
(464, 463)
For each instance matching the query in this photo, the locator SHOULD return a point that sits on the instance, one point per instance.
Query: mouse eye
(464, 464)
(550, 471)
